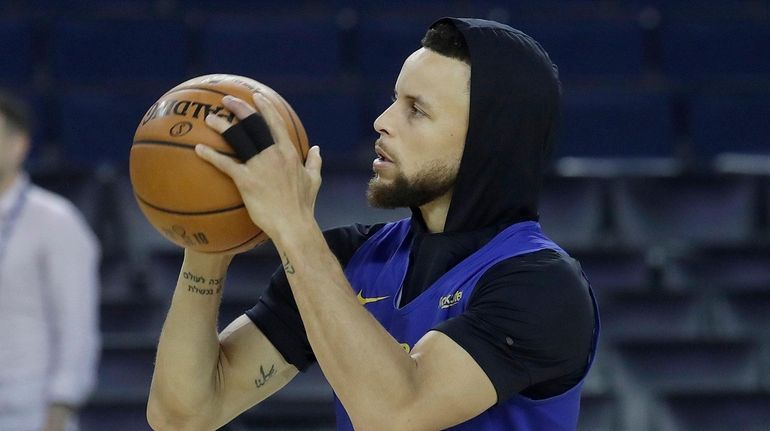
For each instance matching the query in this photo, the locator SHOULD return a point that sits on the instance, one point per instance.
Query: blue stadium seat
(119, 52)
(571, 211)
(125, 370)
(16, 47)
(119, 281)
(730, 123)
(738, 268)
(385, 42)
(270, 49)
(590, 48)
(132, 318)
(75, 8)
(649, 314)
(162, 270)
(694, 365)
(331, 118)
(704, 209)
(599, 412)
(682, 11)
(114, 415)
(615, 123)
(98, 126)
(249, 274)
(615, 270)
(697, 50)
(716, 411)
(745, 313)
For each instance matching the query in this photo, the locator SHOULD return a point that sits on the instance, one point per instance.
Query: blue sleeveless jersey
(378, 269)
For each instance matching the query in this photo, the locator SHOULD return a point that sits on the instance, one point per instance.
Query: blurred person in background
(49, 286)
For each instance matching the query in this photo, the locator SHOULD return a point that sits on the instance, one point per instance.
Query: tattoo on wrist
(201, 285)
(287, 266)
(260, 381)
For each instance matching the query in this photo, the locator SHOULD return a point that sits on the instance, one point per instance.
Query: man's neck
(7, 182)
(434, 213)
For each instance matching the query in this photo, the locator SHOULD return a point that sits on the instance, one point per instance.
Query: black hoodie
(530, 320)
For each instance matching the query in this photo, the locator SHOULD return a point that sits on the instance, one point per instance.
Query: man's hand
(278, 191)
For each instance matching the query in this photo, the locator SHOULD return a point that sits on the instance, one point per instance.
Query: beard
(433, 181)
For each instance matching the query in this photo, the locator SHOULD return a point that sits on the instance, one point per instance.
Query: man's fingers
(225, 164)
(217, 123)
(273, 120)
(313, 162)
(237, 106)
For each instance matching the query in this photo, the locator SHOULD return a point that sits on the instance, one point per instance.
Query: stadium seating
(98, 126)
(615, 123)
(702, 50)
(129, 52)
(691, 363)
(590, 48)
(571, 211)
(716, 411)
(271, 48)
(649, 314)
(598, 412)
(670, 210)
(17, 36)
(730, 123)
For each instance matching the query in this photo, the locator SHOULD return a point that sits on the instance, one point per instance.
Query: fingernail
(228, 98)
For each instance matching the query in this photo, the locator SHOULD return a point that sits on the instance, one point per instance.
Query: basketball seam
(196, 88)
(239, 245)
(180, 145)
(184, 213)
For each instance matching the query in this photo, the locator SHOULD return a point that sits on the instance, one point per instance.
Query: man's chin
(379, 195)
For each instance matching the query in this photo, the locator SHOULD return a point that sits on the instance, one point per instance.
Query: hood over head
(514, 111)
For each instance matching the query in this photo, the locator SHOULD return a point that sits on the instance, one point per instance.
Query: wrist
(297, 234)
(212, 264)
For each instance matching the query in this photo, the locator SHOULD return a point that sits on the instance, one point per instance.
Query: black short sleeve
(529, 325)
(276, 312)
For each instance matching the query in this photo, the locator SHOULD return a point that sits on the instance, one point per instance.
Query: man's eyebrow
(416, 99)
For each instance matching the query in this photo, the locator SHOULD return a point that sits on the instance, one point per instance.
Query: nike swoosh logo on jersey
(365, 301)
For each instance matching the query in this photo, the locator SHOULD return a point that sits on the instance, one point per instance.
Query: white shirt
(49, 284)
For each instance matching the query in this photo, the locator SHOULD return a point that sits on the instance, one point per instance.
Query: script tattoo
(265, 376)
(287, 266)
(201, 286)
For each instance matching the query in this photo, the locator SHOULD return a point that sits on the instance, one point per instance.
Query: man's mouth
(381, 155)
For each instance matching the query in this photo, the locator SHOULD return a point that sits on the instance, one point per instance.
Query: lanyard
(13, 217)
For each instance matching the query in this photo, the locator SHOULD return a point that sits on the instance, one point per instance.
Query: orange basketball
(186, 199)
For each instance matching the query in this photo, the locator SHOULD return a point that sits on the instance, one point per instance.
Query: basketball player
(463, 316)
(49, 293)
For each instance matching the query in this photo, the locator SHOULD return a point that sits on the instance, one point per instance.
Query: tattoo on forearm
(202, 286)
(287, 266)
(260, 381)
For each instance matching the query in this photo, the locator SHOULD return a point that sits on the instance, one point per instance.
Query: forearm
(361, 360)
(185, 378)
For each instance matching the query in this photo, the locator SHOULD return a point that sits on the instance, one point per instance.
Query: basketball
(185, 198)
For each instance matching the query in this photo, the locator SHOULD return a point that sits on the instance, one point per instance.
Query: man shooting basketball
(464, 315)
